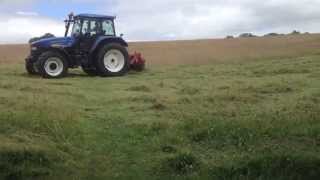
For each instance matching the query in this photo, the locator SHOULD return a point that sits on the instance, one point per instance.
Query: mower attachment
(137, 62)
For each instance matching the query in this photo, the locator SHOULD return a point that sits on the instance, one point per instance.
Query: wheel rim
(114, 61)
(53, 66)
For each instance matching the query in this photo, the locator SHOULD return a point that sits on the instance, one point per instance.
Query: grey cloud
(185, 19)
(191, 19)
(19, 28)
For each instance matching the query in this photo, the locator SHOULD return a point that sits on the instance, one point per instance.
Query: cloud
(167, 19)
(19, 28)
(26, 13)
(4, 2)
(188, 19)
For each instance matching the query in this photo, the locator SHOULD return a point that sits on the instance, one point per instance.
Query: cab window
(95, 27)
(85, 27)
(108, 28)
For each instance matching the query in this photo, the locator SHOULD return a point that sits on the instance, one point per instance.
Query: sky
(151, 20)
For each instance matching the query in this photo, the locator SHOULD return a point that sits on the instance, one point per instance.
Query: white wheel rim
(53, 66)
(114, 61)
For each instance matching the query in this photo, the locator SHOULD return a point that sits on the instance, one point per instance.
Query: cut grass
(253, 120)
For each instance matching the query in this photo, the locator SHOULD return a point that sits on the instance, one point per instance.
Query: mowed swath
(203, 51)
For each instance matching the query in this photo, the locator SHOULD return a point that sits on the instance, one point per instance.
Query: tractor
(92, 44)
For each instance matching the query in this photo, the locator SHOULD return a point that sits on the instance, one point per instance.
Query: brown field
(203, 51)
(13, 53)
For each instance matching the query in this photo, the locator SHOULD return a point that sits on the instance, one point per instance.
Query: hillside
(248, 109)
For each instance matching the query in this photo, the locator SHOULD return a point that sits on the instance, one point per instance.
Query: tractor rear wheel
(31, 67)
(113, 60)
(52, 65)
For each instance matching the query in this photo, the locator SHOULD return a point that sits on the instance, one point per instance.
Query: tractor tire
(52, 65)
(91, 71)
(31, 67)
(113, 60)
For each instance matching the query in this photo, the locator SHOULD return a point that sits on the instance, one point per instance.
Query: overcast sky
(162, 19)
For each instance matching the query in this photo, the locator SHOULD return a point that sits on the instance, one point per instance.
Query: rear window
(108, 28)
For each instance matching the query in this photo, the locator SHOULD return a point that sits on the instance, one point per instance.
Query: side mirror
(121, 35)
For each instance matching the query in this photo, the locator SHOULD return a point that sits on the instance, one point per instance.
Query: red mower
(137, 62)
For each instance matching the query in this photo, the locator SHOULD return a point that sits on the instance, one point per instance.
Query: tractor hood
(54, 42)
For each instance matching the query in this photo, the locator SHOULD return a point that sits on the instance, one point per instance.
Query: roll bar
(68, 22)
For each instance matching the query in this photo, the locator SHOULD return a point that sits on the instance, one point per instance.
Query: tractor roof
(95, 16)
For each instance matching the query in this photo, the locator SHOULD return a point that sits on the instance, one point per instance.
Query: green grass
(250, 120)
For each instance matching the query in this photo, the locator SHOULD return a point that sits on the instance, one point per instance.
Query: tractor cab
(91, 25)
(87, 28)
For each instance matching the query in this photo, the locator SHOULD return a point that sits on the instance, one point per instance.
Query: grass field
(242, 118)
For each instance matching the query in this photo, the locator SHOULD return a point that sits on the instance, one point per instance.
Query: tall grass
(250, 120)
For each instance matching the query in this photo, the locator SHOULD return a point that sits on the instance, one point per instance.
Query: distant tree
(229, 37)
(295, 32)
(271, 34)
(247, 35)
(45, 36)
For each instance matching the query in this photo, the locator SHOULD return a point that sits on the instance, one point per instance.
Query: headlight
(34, 48)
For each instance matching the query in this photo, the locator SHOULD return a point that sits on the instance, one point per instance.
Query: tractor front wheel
(31, 67)
(52, 65)
(113, 60)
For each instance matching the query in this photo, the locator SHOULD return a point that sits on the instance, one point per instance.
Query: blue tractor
(92, 44)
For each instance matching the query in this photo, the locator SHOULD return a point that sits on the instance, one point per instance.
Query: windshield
(93, 27)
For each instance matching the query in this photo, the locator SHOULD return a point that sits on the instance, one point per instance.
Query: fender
(60, 44)
(106, 40)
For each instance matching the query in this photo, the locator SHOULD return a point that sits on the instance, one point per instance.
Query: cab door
(89, 33)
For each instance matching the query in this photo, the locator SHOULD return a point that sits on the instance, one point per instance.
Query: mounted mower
(93, 45)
